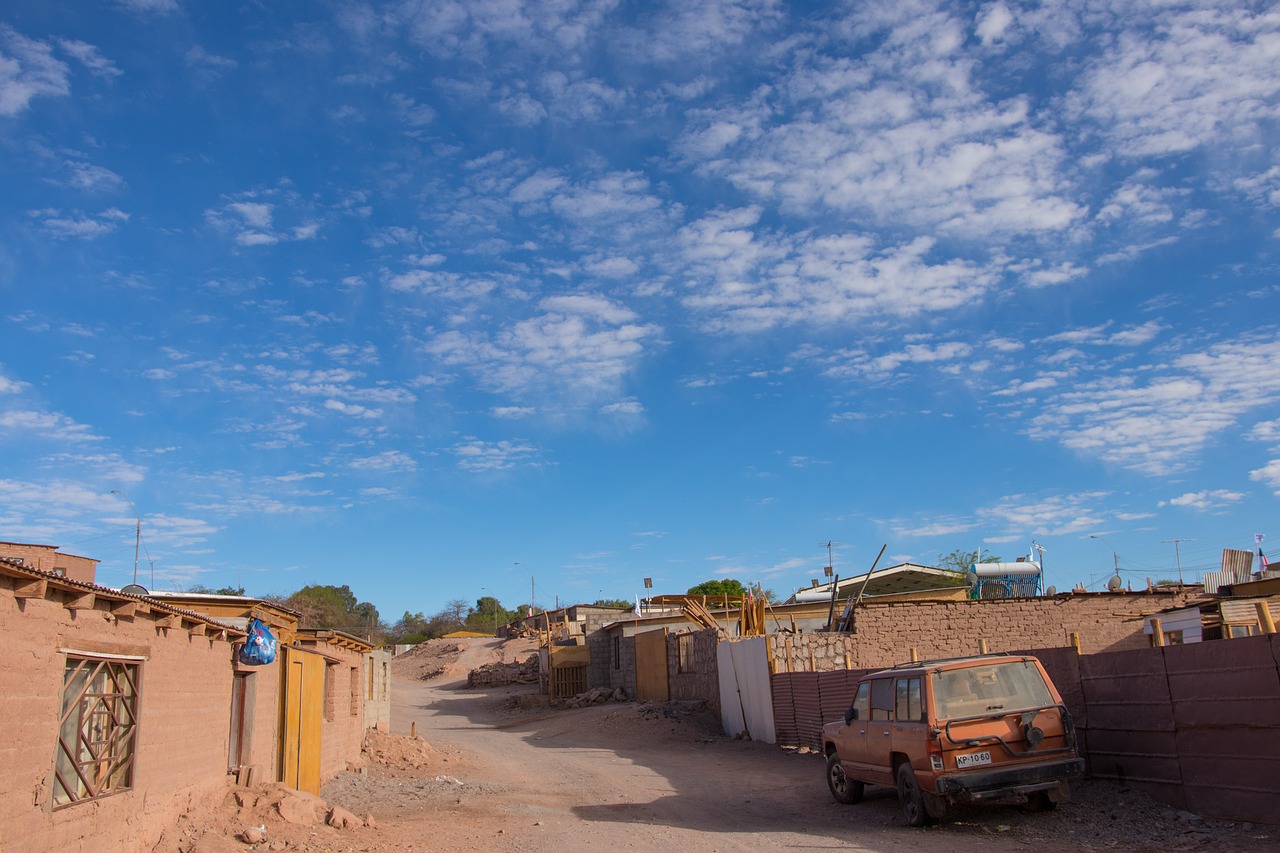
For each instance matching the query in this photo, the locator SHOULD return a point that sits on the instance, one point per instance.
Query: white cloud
(579, 345)
(1180, 78)
(486, 456)
(79, 225)
(1206, 500)
(46, 425)
(389, 461)
(28, 69)
(1268, 475)
(992, 23)
(89, 56)
(1157, 420)
(150, 7)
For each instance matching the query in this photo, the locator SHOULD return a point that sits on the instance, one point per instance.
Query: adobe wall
(884, 634)
(183, 724)
(48, 559)
(342, 726)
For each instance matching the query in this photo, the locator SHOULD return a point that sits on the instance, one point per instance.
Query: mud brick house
(127, 710)
(116, 709)
(48, 558)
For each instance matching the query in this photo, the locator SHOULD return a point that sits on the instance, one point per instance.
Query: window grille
(97, 733)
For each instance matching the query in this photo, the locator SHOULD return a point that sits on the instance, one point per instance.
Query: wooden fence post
(1157, 633)
(1265, 622)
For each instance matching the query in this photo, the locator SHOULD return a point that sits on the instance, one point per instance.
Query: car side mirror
(850, 715)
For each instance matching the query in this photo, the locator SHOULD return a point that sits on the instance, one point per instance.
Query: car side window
(907, 708)
(862, 701)
(882, 699)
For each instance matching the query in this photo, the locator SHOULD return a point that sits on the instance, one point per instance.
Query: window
(97, 733)
(684, 653)
(882, 699)
(617, 653)
(907, 708)
(355, 691)
(330, 691)
(862, 701)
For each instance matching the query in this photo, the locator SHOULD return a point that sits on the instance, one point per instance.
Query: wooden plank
(34, 588)
(84, 601)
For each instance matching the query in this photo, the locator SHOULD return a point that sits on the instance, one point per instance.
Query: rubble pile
(499, 674)
(596, 696)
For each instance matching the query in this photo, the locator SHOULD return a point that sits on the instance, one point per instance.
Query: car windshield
(974, 690)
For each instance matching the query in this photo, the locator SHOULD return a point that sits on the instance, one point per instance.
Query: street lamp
(1114, 557)
(137, 536)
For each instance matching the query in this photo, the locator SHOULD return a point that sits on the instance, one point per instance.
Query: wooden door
(303, 708)
(651, 667)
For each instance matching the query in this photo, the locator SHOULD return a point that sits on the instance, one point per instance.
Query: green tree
(225, 590)
(724, 586)
(336, 608)
(960, 561)
(612, 602)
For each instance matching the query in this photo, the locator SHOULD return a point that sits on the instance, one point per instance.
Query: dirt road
(623, 776)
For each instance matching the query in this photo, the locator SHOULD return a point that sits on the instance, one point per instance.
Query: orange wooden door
(303, 708)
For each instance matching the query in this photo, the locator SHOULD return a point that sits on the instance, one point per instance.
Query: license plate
(973, 759)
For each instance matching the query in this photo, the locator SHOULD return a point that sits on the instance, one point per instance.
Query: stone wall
(183, 720)
(885, 634)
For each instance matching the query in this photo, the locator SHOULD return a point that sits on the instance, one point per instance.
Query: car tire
(844, 789)
(912, 798)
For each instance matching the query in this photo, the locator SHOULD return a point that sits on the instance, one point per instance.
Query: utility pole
(137, 538)
(1177, 554)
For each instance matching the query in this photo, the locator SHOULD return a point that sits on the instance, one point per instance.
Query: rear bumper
(1009, 781)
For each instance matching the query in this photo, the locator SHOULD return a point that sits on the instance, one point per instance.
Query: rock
(369, 821)
(300, 809)
(340, 818)
(254, 835)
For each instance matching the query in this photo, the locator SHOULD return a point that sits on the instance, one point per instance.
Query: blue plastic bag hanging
(259, 647)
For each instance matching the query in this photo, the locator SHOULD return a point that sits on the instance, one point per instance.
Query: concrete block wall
(600, 647)
(702, 681)
(885, 633)
(623, 676)
(183, 724)
(377, 706)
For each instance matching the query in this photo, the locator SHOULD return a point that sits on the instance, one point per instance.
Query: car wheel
(1039, 802)
(844, 789)
(912, 798)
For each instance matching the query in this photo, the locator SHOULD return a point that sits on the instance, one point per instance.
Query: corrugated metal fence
(1197, 726)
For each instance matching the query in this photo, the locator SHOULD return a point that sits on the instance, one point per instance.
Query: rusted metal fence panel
(807, 701)
(784, 712)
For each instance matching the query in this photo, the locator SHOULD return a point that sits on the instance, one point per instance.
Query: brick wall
(48, 559)
(885, 634)
(183, 723)
(342, 732)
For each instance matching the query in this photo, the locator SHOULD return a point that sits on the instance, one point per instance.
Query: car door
(910, 734)
(871, 733)
(853, 735)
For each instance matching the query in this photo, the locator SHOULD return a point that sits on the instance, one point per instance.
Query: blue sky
(436, 298)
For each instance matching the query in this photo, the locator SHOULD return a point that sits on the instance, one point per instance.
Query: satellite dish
(134, 589)
(1115, 583)
(1053, 590)
(971, 579)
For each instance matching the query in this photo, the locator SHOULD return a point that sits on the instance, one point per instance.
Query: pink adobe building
(47, 558)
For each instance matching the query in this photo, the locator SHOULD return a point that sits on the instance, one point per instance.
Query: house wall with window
(342, 726)
(137, 693)
(49, 559)
(377, 685)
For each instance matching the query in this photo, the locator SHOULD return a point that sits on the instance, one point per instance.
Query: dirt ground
(483, 774)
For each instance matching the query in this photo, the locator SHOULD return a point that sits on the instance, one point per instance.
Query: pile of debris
(596, 696)
(499, 674)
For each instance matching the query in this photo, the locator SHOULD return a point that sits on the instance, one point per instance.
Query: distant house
(48, 558)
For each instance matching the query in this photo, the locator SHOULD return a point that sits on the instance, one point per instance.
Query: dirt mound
(453, 658)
